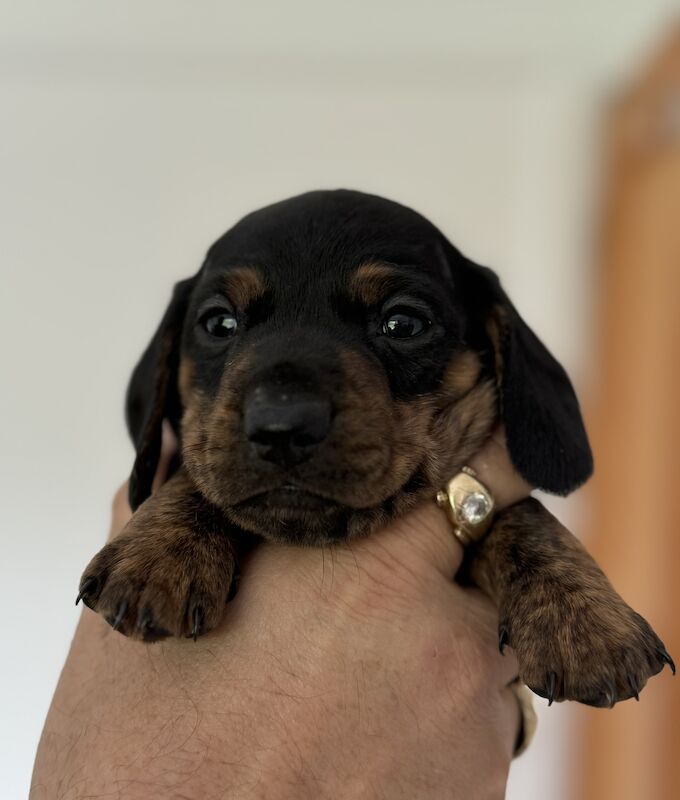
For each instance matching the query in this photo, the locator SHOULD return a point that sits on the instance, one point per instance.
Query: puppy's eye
(404, 323)
(219, 323)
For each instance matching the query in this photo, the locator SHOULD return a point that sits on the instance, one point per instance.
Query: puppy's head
(334, 360)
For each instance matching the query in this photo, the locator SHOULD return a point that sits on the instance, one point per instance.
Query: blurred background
(543, 138)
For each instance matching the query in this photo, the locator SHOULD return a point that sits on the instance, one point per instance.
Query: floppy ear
(152, 394)
(546, 437)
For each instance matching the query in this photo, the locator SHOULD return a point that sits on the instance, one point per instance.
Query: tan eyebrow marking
(371, 282)
(243, 285)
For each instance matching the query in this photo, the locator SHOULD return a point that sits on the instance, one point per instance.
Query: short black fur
(318, 238)
(310, 412)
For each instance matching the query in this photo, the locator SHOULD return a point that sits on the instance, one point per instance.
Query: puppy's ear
(152, 394)
(545, 433)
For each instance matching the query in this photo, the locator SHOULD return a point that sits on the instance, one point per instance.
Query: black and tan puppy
(333, 363)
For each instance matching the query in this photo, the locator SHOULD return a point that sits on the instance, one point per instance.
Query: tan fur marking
(371, 282)
(243, 285)
(461, 374)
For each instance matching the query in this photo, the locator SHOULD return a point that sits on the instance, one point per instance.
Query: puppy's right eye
(219, 323)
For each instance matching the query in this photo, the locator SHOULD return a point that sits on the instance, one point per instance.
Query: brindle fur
(574, 637)
(308, 280)
(170, 571)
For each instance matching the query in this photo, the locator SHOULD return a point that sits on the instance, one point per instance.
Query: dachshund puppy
(333, 363)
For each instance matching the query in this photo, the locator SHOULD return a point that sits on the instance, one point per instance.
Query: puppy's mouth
(293, 515)
(289, 498)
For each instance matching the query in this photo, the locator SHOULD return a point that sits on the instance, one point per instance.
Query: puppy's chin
(302, 518)
(293, 517)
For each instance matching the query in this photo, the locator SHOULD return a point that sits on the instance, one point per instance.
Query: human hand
(356, 671)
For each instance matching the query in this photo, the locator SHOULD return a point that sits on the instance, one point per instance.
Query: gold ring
(468, 505)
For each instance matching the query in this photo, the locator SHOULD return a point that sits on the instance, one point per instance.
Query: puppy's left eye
(219, 323)
(404, 323)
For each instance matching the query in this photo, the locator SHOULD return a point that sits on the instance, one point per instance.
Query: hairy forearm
(197, 721)
(172, 718)
(332, 694)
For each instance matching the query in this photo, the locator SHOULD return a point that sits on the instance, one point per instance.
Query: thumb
(168, 449)
(121, 512)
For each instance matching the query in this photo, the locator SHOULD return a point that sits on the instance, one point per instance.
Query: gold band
(468, 505)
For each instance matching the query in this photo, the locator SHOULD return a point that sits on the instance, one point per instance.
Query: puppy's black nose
(285, 424)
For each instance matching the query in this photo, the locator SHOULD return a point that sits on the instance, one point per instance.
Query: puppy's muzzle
(285, 423)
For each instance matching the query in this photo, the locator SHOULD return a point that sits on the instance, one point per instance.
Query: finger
(492, 463)
(511, 722)
(121, 511)
(525, 715)
(168, 450)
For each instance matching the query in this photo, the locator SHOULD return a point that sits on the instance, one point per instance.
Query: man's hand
(350, 672)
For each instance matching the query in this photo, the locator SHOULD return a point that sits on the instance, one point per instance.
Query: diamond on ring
(468, 505)
(475, 507)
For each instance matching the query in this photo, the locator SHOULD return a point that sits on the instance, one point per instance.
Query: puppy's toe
(599, 656)
(147, 592)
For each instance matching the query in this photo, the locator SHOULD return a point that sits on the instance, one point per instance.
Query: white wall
(133, 133)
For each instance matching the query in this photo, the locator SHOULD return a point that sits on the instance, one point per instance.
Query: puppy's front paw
(578, 643)
(158, 583)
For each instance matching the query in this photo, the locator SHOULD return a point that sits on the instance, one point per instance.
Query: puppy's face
(334, 364)
(318, 355)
